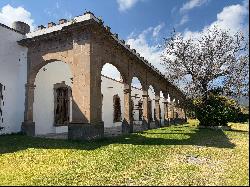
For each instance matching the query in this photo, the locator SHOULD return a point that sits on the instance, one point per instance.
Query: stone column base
(85, 131)
(28, 128)
(157, 123)
(166, 122)
(171, 121)
(127, 128)
(145, 125)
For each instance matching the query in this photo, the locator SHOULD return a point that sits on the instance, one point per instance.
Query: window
(117, 108)
(62, 94)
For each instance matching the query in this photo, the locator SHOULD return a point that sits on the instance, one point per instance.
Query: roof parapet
(41, 27)
(51, 24)
(62, 21)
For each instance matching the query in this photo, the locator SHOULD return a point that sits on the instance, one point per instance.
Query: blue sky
(142, 15)
(142, 23)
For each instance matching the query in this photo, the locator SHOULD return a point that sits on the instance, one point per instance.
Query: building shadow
(195, 136)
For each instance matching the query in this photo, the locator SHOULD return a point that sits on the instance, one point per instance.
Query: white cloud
(187, 7)
(9, 14)
(192, 4)
(184, 20)
(157, 30)
(230, 18)
(126, 4)
(57, 5)
(150, 52)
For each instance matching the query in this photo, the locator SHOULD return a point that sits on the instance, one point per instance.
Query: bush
(216, 110)
(241, 118)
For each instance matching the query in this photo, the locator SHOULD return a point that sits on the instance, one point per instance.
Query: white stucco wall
(109, 89)
(13, 70)
(55, 72)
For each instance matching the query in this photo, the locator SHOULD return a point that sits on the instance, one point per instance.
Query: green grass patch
(175, 155)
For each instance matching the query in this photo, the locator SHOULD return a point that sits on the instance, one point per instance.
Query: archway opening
(52, 108)
(137, 101)
(112, 88)
(151, 103)
(162, 109)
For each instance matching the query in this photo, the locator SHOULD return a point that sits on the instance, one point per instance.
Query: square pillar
(146, 120)
(86, 95)
(157, 111)
(28, 126)
(166, 116)
(127, 125)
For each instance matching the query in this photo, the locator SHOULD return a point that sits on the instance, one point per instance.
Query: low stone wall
(85, 131)
(139, 126)
(153, 125)
(112, 131)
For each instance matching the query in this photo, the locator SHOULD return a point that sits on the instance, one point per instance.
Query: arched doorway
(136, 97)
(162, 109)
(112, 88)
(151, 106)
(52, 108)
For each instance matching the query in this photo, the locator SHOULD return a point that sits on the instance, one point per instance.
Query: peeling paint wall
(13, 76)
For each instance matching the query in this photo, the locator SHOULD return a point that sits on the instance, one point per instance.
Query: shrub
(216, 110)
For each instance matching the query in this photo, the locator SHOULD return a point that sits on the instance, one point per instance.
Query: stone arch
(136, 82)
(34, 69)
(111, 90)
(109, 70)
(50, 76)
(142, 81)
(136, 97)
(121, 67)
(151, 97)
(162, 107)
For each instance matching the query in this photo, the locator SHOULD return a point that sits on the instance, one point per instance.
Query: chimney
(22, 27)
(51, 24)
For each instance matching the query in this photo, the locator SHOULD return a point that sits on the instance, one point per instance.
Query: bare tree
(215, 59)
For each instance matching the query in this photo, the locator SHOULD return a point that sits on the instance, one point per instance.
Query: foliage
(154, 157)
(216, 110)
(212, 59)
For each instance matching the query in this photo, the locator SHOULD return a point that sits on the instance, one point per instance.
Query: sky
(143, 24)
